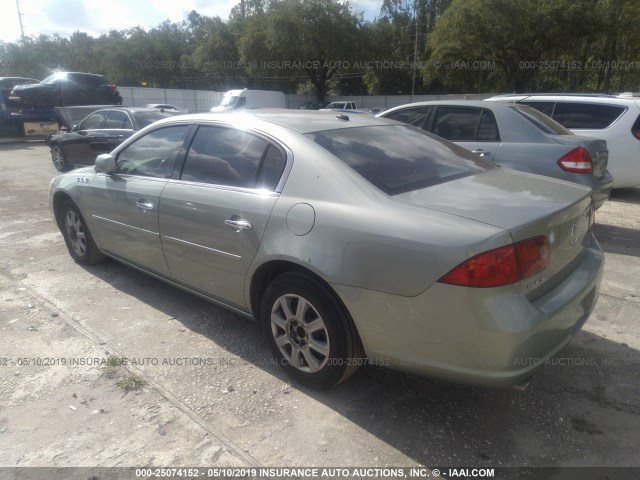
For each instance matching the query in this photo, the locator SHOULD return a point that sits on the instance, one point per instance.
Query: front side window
(94, 121)
(154, 154)
(398, 158)
(224, 156)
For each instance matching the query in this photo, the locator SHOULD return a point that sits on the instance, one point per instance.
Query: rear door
(213, 217)
(473, 128)
(124, 205)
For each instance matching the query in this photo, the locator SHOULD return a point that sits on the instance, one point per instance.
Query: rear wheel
(309, 331)
(77, 236)
(58, 159)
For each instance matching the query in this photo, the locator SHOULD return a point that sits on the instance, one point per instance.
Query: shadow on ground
(584, 400)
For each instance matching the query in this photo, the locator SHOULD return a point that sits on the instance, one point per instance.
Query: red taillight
(503, 265)
(636, 133)
(577, 160)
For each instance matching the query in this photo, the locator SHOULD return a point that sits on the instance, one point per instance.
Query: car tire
(58, 158)
(309, 331)
(77, 236)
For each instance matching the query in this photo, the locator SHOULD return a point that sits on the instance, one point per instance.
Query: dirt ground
(200, 388)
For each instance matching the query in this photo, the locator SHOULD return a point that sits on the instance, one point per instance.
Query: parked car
(351, 241)
(165, 106)
(100, 132)
(341, 106)
(250, 99)
(514, 136)
(68, 88)
(313, 105)
(615, 119)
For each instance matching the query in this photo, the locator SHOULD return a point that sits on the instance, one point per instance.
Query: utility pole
(20, 20)
(415, 50)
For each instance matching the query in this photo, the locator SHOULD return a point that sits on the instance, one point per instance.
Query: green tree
(317, 37)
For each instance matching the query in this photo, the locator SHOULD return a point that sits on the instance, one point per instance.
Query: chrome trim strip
(202, 247)
(138, 229)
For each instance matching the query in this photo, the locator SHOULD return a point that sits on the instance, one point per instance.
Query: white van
(235, 99)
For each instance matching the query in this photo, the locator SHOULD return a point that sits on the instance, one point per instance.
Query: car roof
(302, 121)
(460, 103)
(566, 97)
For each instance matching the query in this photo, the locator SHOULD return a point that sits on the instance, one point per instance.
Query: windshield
(228, 100)
(540, 120)
(52, 78)
(399, 158)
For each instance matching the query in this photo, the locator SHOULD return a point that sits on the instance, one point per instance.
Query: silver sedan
(515, 136)
(351, 239)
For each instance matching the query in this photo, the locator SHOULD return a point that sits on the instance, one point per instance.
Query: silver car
(515, 136)
(352, 240)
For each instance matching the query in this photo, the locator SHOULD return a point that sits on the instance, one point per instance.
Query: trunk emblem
(574, 235)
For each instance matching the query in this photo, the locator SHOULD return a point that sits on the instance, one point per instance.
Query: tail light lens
(635, 130)
(502, 266)
(577, 160)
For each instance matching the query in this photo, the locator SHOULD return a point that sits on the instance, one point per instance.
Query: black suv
(68, 88)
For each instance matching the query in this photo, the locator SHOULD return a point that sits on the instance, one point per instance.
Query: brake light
(502, 266)
(577, 160)
(635, 130)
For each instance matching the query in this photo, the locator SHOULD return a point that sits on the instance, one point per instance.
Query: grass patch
(132, 382)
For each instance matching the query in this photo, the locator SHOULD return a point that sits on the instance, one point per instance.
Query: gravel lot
(212, 395)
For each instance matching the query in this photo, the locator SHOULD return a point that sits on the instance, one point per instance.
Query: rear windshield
(540, 120)
(399, 158)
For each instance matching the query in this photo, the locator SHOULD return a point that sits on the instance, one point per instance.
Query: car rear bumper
(491, 337)
(602, 189)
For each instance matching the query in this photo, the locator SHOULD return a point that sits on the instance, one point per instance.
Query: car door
(79, 146)
(472, 128)
(117, 129)
(124, 205)
(213, 217)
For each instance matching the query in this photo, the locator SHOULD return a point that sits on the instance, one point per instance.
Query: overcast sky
(96, 17)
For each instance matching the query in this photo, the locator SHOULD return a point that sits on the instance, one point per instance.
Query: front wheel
(77, 236)
(58, 159)
(309, 331)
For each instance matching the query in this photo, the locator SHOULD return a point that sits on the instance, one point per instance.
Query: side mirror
(106, 163)
(74, 128)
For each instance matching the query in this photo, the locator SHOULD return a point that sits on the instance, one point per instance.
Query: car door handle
(480, 152)
(141, 204)
(237, 223)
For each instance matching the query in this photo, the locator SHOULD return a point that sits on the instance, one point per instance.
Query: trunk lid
(525, 205)
(597, 150)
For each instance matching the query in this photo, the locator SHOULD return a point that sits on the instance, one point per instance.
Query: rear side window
(224, 156)
(460, 124)
(411, 116)
(587, 115)
(397, 158)
(117, 120)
